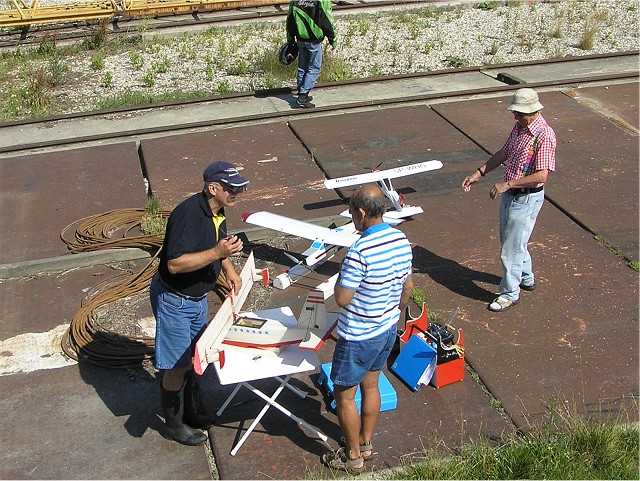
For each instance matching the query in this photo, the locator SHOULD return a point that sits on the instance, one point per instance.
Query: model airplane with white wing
(326, 242)
(269, 329)
(383, 179)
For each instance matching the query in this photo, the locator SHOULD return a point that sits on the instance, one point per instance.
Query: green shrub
(97, 61)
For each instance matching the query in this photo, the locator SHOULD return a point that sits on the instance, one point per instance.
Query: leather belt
(525, 190)
(180, 294)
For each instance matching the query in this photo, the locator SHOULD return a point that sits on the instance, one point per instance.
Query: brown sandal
(363, 449)
(339, 460)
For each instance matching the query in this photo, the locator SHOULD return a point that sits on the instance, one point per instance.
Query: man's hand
(498, 188)
(233, 280)
(469, 180)
(229, 246)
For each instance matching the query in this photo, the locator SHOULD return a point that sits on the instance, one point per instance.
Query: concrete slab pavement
(93, 423)
(64, 420)
(595, 157)
(43, 193)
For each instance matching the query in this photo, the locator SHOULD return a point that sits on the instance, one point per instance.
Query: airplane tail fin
(314, 314)
(315, 320)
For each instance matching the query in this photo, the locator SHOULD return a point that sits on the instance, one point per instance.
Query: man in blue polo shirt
(194, 253)
(373, 288)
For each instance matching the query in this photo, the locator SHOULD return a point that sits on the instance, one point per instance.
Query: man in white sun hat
(529, 154)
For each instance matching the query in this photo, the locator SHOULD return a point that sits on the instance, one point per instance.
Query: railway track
(19, 138)
(30, 26)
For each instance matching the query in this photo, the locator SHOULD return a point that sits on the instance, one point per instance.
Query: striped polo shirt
(375, 266)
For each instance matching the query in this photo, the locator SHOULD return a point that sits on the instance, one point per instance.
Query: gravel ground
(236, 59)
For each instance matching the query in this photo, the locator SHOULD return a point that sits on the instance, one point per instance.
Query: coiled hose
(86, 339)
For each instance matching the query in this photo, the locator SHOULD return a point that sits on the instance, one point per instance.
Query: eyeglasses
(233, 189)
(520, 114)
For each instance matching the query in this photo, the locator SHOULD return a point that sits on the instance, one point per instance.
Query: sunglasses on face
(520, 114)
(232, 189)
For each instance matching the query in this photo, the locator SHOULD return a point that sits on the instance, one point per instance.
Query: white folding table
(243, 365)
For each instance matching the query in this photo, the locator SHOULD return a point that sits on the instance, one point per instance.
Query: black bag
(194, 412)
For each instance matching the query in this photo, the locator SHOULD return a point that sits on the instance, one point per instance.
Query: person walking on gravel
(529, 155)
(195, 251)
(308, 23)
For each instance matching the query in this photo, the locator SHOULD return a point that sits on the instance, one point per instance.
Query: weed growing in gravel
(488, 5)
(241, 58)
(335, 69)
(161, 65)
(224, 87)
(149, 79)
(97, 61)
(556, 30)
(456, 62)
(238, 68)
(137, 61)
(56, 73)
(418, 296)
(592, 27)
(107, 80)
(97, 36)
(37, 98)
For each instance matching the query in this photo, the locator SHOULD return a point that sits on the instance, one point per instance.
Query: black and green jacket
(310, 21)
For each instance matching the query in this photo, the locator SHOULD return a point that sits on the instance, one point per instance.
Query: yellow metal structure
(31, 14)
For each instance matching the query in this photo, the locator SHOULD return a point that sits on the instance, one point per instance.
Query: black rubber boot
(194, 412)
(174, 427)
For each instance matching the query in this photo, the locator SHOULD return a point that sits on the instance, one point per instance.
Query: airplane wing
(382, 174)
(394, 217)
(300, 228)
(208, 346)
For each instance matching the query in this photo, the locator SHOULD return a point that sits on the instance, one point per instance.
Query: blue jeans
(353, 359)
(309, 65)
(518, 216)
(178, 323)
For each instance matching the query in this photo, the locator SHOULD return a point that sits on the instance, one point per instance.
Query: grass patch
(592, 27)
(418, 296)
(632, 264)
(153, 222)
(132, 98)
(569, 445)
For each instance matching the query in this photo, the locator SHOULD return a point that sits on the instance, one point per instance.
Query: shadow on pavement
(455, 277)
(129, 392)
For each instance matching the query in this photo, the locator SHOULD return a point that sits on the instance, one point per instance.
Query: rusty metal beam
(24, 14)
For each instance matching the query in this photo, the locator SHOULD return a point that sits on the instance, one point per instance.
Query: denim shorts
(179, 321)
(353, 359)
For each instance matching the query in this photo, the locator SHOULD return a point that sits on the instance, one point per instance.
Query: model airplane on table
(383, 179)
(278, 328)
(269, 329)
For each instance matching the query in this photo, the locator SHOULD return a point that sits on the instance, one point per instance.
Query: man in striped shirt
(373, 288)
(529, 154)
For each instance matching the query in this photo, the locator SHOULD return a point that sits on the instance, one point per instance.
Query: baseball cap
(525, 101)
(225, 172)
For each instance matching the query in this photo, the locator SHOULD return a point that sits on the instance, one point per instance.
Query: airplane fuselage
(262, 333)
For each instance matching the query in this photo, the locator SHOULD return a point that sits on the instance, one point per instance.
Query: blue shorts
(352, 360)
(179, 321)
